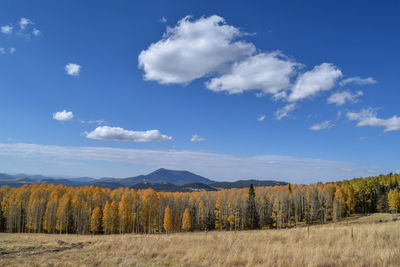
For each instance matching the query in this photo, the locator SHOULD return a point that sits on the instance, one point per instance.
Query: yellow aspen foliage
(81, 210)
(150, 210)
(186, 220)
(217, 212)
(394, 200)
(167, 224)
(107, 219)
(50, 216)
(125, 212)
(95, 220)
(63, 213)
(338, 204)
(114, 216)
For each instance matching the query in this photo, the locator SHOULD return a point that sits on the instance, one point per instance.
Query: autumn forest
(93, 210)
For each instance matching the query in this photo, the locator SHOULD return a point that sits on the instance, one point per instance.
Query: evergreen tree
(252, 217)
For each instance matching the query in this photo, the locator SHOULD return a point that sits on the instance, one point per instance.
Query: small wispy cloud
(36, 32)
(261, 118)
(357, 80)
(73, 69)
(24, 22)
(322, 126)
(7, 29)
(163, 19)
(368, 117)
(197, 138)
(63, 115)
(340, 98)
(284, 112)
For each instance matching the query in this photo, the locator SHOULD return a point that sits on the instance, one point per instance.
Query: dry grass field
(375, 242)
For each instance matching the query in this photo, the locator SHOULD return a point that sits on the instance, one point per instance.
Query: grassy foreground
(375, 242)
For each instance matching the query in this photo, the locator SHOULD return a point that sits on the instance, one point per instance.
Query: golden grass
(374, 243)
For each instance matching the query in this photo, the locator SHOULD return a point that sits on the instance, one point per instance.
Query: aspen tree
(114, 216)
(186, 220)
(107, 219)
(50, 217)
(63, 213)
(394, 200)
(95, 220)
(167, 223)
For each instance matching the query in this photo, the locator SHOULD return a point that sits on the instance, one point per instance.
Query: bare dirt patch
(28, 251)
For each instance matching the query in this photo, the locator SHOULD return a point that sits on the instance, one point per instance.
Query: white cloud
(6, 29)
(368, 117)
(197, 138)
(261, 118)
(210, 48)
(212, 165)
(120, 134)
(36, 32)
(2, 51)
(63, 115)
(193, 49)
(72, 69)
(284, 112)
(12, 50)
(268, 72)
(321, 126)
(100, 121)
(24, 22)
(310, 83)
(358, 80)
(340, 98)
(163, 19)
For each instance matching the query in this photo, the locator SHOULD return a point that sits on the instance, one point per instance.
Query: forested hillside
(83, 210)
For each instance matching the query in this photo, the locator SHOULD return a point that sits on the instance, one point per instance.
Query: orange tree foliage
(167, 225)
(186, 221)
(61, 209)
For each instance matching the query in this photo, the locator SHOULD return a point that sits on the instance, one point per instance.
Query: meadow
(372, 240)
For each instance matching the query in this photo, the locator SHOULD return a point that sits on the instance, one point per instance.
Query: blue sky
(288, 90)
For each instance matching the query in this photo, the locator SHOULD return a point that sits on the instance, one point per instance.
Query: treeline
(61, 209)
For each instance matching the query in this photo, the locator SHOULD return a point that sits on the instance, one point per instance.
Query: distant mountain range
(160, 180)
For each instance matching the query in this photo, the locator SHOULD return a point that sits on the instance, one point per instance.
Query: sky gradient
(301, 92)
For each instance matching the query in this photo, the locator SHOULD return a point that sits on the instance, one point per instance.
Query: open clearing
(358, 241)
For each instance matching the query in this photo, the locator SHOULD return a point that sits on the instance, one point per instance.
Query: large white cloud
(210, 48)
(73, 69)
(268, 72)
(63, 115)
(321, 78)
(193, 49)
(340, 98)
(368, 117)
(120, 134)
